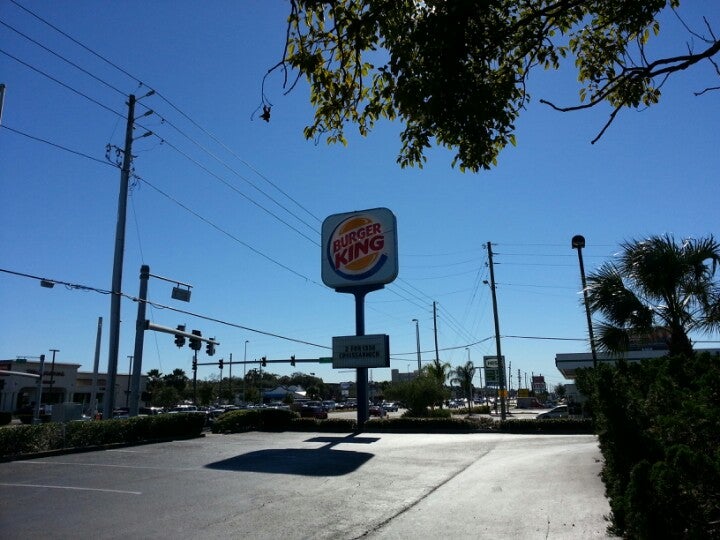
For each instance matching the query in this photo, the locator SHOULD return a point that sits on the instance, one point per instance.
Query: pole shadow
(324, 461)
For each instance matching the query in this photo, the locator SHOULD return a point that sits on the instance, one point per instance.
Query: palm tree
(463, 376)
(657, 284)
(439, 372)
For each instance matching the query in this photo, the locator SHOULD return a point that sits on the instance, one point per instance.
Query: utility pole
(501, 364)
(232, 400)
(437, 351)
(116, 289)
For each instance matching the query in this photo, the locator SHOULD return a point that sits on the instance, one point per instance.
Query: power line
(78, 92)
(86, 72)
(211, 173)
(76, 152)
(162, 306)
(223, 231)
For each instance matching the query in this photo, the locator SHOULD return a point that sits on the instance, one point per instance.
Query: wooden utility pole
(437, 351)
(501, 364)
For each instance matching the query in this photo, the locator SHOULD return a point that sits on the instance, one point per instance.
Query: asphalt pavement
(313, 486)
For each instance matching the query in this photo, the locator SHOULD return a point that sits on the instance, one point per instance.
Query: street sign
(325, 360)
(371, 351)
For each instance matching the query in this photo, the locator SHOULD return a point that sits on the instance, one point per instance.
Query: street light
(417, 339)
(578, 242)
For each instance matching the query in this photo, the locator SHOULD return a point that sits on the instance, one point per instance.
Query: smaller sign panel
(371, 351)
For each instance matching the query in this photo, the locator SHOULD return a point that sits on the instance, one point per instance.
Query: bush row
(438, 422)
(31, 439)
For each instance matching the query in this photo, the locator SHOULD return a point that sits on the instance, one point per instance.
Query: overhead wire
(99, 290)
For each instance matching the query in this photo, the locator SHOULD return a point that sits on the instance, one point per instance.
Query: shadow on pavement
(324, 461)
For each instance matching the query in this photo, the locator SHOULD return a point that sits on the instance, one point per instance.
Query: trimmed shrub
(30, 439)
(333, 425)
(421, 425)
(251, 419)
(566, 426)
(658, 424)
(5, 418)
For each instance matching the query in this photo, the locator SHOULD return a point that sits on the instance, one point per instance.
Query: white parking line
(74, 488)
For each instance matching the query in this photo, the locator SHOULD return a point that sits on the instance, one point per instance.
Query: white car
(557, 412)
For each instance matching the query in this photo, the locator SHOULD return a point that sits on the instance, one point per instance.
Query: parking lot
(311, 485)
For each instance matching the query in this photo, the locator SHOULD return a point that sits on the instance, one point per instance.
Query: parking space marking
(73, 488)
(109, 465)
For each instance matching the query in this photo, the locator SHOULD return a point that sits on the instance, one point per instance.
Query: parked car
(377, 410)
(558, 412)
(313, 411)
(390, 406)
(329, 405)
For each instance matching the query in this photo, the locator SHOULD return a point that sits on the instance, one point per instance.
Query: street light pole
(578, 242)
(417, 339)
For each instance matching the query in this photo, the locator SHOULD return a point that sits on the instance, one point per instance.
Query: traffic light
(210, 348)
(292, 360)
(194, 365)
(220, 363)
(179, 338)
(196, 344)
(264, 361)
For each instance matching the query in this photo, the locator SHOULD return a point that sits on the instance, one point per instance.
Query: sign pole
(363, 395)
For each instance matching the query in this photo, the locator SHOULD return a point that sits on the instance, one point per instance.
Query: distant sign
(371, 351)
(492, 370)
(359, 248)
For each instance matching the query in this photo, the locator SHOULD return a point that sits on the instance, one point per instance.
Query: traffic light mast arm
(167, 330)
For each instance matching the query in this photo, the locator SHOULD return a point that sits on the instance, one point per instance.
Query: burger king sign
(359, 248)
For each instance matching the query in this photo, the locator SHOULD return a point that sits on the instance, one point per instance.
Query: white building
(61, 383)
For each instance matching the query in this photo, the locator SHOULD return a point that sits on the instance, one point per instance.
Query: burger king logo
(356, 247)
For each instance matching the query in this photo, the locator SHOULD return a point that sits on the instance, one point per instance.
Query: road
(315, 486)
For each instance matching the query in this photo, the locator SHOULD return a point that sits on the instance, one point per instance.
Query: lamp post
(578, 242)
(417, 339)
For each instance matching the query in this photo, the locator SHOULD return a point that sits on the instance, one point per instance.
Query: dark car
(377, 410)
(313, 411)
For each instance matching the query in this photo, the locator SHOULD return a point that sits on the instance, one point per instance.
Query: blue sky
(240, 220)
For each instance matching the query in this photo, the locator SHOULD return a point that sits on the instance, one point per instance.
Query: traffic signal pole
(139, 342)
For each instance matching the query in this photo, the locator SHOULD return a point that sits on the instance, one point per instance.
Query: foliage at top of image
(456, 72)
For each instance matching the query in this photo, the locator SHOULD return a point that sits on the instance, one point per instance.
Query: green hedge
(658, 424)
(566, 426)
(32, 439)
(254, 419)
